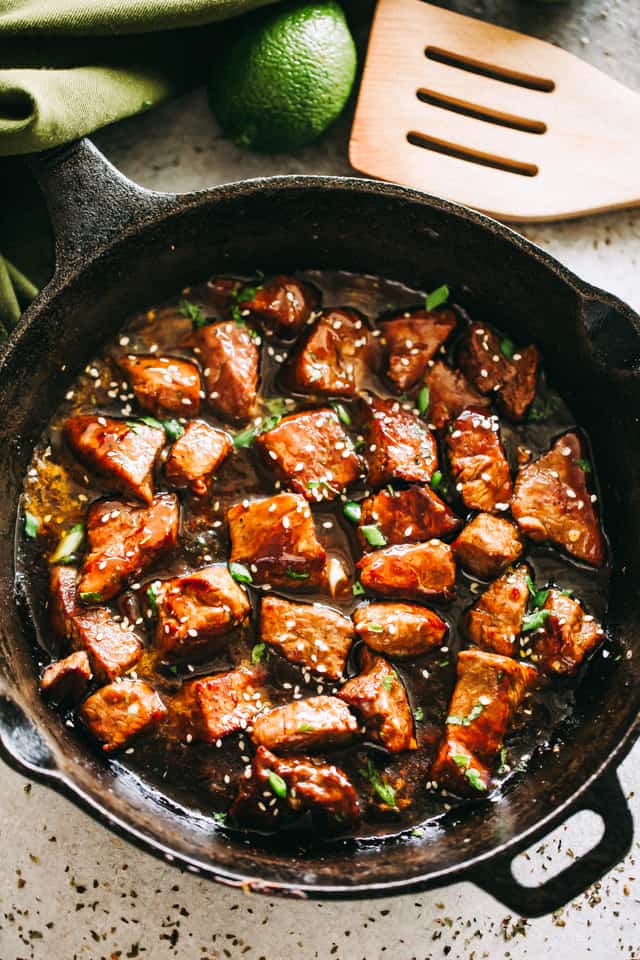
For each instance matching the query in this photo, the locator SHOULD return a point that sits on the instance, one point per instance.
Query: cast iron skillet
(119, 248)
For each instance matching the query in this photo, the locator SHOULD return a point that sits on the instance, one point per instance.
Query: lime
(285, 76)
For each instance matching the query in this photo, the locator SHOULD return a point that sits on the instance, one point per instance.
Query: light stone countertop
(71, 889)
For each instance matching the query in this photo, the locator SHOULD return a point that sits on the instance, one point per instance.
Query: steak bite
(335, 356)
(488, 691)
(282, 306)
(307, 784)
(494, 621)
(216, 706)
(120, 711)
(163, 384)
(412, 339)
(123, 541)
(309, 634)
(276, 539)
(196, 609)
(230, 360)
(490, 370)
(399, 445)
(421, 569)
(449, 394)
(399, 629)
(66, 681)
(569, 635)
(552, 503)
(377, 694)
(112, 645)
(312, 454)
(196, 455)
(487, 546)
(478, 462)
(123, 452)
(407, 516)
(63, 592)
(302, 726)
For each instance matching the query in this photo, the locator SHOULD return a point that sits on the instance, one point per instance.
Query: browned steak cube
(196, 455)
(63, 589)
(66, 681)
(407, 516)
(399, 446)
(378, 696)
(421, 569)
(120, 711)
(123, 541)
(492, 369)
(449, 394)
(412, 340)
(310, 634)
(230, 359)
(312, 454)
(487, 546)
(569, 635)
(478, 462)
(112, 645)
(282, 305)
(305, 726)
(334, 357)
(552, 503)
(399, 629)
(225, 703)
(488, 691)
(196, 609)
(280, 785)
(277, 539)
(163, 385)
(123, 452)
(494, 621)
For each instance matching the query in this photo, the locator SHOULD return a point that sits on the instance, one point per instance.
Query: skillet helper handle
(21, 745)
(607, 799)
(89, 201)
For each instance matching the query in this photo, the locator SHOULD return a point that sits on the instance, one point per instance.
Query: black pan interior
(591, 346)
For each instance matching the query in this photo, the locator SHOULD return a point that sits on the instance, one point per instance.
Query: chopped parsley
(240, 573)
(543, 409)
(437, 297)
(193, 312)
(297, 575)
(507, 348)
(69, 545)
(418, 713)
(258, 652)
(423, 401)
(276, 784)
(534, 621)
(352, 511)
(373, 535)
(342, 413)
(384, 790)
(31, 525)
(357, 589)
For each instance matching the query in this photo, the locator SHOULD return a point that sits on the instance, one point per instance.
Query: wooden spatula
(492, 118)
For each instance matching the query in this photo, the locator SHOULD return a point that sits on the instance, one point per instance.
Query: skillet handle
(90, 202)
(21, 745)
(606, 798)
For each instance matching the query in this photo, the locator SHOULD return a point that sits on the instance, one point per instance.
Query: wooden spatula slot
(491, 70)
(491, 118)
(478, 112)
(473, 156)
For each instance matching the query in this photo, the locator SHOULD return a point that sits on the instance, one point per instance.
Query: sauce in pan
(58, 491)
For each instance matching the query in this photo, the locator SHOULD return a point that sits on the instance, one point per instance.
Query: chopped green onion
(417, 832)
(258, 652)
(245, 438)
(31, 525)
(133, 425)
(436, 480)
(152, 422)
(436, 297)
(503, 760)
(387, 683)
(474, 779)
(384, 790)
(461, 760)
(219, 816)
(423, 401)
(540, 598)
(174, 669)
(91, 597)
(418, 713)
(473, 714)
(173, 429)
(531, 587)
(306, 727)
(152, 597)
(193, 311)
(534, 621)
(586, 466)
(240, 573)
(277, 784)
(507, 348)
(373, 535)
(357, 589)
(297, 575)
(374, 627)
(276, 406)
(343, 414)
(69, 544)
(352, 511)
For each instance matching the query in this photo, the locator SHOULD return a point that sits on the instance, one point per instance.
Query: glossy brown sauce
(202, 776)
